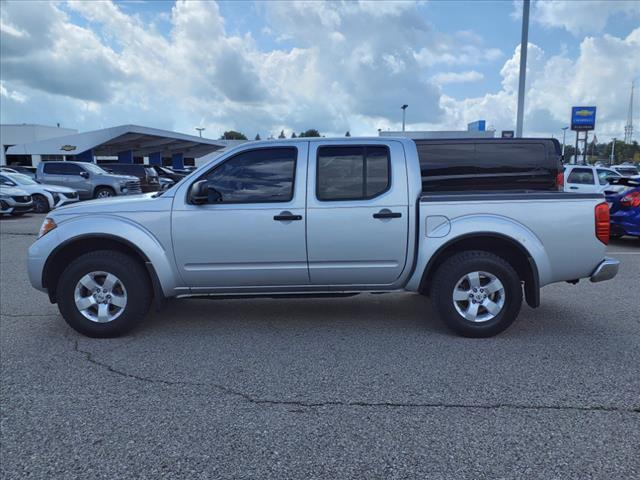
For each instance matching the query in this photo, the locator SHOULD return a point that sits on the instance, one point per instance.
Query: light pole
(524, 43)
(404, 111)
(564, 135)
(613, 151)
(200, 129)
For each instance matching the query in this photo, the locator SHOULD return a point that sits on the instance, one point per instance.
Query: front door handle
(287, 217)
(386, 213)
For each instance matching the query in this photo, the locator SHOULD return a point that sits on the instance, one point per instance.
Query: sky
(263, 67)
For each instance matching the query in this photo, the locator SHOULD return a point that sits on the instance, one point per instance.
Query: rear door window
(71, 169)
(352, 173)
(581, 176)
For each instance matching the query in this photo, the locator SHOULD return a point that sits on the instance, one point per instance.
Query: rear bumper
(626, 222)
(607, 269)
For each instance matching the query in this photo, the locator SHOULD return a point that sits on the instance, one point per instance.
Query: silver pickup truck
(317, 217)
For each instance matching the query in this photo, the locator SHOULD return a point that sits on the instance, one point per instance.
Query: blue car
(624, 208)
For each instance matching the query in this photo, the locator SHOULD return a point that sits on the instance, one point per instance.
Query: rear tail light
(631, 200)
(602, 222)
(560, 180)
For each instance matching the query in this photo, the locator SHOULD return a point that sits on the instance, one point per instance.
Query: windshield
(628, 171)
(22, 179)
(93, 168)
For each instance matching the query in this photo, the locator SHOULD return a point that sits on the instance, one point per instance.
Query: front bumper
(606, 270)
(10, 206)
(64, 199)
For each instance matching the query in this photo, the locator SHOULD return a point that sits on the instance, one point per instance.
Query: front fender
(448, 231)
(106, 226)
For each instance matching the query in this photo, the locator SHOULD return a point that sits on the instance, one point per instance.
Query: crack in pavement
(337, 403)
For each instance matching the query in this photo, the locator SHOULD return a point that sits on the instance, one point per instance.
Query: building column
(125, 157)
(155, 158)
(177, 160)
(86, 156)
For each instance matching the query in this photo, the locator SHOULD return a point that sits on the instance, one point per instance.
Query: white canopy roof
(109, 141)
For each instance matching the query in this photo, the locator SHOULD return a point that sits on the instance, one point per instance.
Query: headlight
(46, 227)
(5, 197)
(55, 195)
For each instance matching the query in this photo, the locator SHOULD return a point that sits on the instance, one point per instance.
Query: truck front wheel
(104, 293)
(477, 293)
(104, 192)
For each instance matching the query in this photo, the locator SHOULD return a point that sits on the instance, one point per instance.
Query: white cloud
(444, 78)
(578, 18)
(12, 94)
(600, 75)
(351, 67)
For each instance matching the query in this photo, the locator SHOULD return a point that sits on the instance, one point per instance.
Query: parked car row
(54, 184)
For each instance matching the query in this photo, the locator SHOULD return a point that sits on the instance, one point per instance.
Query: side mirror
(201, 193)
(84, 174)
(611, 177)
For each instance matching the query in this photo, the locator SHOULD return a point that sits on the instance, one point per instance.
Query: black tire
(40, 204)
(449, 274)
(104, 192)
(128, 270)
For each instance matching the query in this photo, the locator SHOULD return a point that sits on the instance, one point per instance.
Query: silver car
(45, 197)
(14, 201)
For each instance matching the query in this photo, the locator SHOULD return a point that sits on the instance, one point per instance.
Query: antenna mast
(628, 128)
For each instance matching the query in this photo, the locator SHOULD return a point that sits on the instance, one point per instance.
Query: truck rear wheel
(104, 293)
(476, 293)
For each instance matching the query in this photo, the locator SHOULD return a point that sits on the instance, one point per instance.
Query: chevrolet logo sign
(68, 148)
(584, 113)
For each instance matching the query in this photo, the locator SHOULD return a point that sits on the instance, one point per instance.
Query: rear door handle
(287, 217)
(573, 188)
(386, 213)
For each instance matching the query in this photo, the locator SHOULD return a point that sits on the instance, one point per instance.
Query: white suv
(626, 170)
(588, 179)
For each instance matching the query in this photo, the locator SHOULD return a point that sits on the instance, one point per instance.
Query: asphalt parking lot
(363, 387)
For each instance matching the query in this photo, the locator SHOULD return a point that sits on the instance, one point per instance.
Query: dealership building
(31, 144)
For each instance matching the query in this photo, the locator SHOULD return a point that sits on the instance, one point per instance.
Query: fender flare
(154, 256)
(485, 226)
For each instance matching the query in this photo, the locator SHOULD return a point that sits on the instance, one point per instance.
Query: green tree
(293, 135)
(233, 135)
(312, 132)
(281, 134)
(257, 137)
(569, 151)
(624, 152)
(348, 134)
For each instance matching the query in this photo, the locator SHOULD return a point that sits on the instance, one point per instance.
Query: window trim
(364, 172)
(217, 165)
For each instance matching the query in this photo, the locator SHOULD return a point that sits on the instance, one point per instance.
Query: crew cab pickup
(317, 217)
